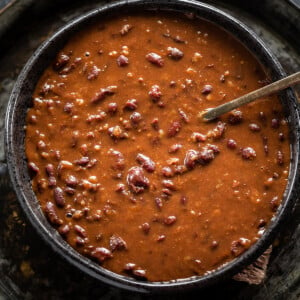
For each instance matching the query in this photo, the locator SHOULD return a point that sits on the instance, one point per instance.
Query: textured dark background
(30, 270)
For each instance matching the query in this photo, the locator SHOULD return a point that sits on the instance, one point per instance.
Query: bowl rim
(86, 265)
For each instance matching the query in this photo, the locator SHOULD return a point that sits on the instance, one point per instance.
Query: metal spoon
(276, 86)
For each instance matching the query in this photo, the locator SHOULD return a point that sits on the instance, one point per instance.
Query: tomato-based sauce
(123, 167)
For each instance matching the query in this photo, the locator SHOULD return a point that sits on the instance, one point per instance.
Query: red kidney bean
(99, 237)
(169, 184)
(75, 138)
(117, 133)
(174, 148)
(119, 163)
(262, 223)
(161, 238)
(262, 117)
(135, 118)
(80, 231)
(172, 83)
(42, 185)
(154, 124)
(131, 104)
(190, 15)
(61, 61)
(103, 93)
(46, 88)
(51, 181)
(145, 227)
(155, 93)
(51, 214)
(67, 69)
(281, 137)
(68, 108)
(69, 190)
(254, 127)
(178, 39)
(174, 53)
(183, 200)
(214, 244)
(120, 188)
(207, 89)
(265, 144)
(174, 129)
(167, 172)
(112, 108)
(33, 169)
(136, 180)
(191, 158)
(231, 144)
(166, 193)
(155, 59)
(125, 29)
(117, 243)
(212, 147)
(50, 103)
(86, 211)
(79, 241)
(158, 203)
(238, 247)
(139, 274)
(97, 117)
(129, 267)
(248, 153)
(161, 104)
(59, 198)
(71, 181)
(205, 156)
(280, 158)
(51, 174)
(235, 117)
(50, 170)
(122, 61)
(180, 169)
(87, 185)
(218, 131)
(275, 123)
(83, 161)
(170, 220)
(93, 73)
(83, 149)
(274, 203)
(64, 229)
(183, 116)
(198, 137)
(32, 119)
(146, 162)
(91, 163)
(101, 254)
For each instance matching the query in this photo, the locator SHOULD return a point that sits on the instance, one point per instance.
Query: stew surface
(124, 169)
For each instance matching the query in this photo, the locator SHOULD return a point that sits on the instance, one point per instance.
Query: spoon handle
(264, 91)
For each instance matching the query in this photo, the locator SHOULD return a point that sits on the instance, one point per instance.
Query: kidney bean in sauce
(127, 171)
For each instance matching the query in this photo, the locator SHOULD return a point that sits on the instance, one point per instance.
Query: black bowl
(14, 141)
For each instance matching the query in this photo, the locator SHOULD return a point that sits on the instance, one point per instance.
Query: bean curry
(124, 169)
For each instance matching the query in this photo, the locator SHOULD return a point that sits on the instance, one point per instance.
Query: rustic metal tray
(28, 268)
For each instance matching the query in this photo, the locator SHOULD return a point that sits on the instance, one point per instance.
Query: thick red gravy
(123, 168)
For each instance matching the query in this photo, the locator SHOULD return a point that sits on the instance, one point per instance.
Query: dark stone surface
(28, 268)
